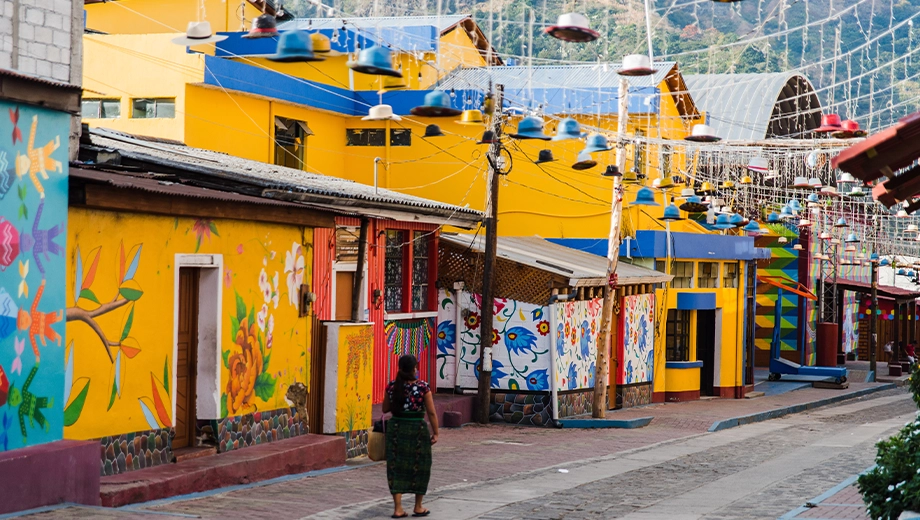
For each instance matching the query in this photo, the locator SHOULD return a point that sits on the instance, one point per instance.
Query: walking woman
(407, 437)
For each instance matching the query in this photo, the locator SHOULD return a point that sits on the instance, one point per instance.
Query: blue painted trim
(683, 364)
(65, 505)
(653, 244)
(413, 38)
(870, 376)
(606, 423)
(827, 494)
(228, 489)
(687, 301)
(780, 412)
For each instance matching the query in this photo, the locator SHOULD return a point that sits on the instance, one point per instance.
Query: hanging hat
(912, 228)
(198, 33)
(436, 104)
(636, 65)
(584, 161)
(703, 134)
(884, 262)
(723, 222)
(728, 185)
(829, 123)
(848, 130)
(824, 235)
(797, 247)
(902, 213)
(804, 223)
(752, 228)
(815, 159)
(812, 199)
(645, 197)
(322, 45)
(471, 118)
(841, 223)
(389, 82)
(800, 182)
(381, 113)
(545, 157)
(850, 249)
(671, 213)
(530, 127)
(771, 176)
(794, 205)
(664, 183)
(433, 131)
(687, 192)
(630, 177)
(264, 26)
(758, 164)
(856, 192)
(706, 188)
(782, 240)
(737, 220)
(294, 46)
(572, 27)
(773, 218)
(375, 60)
(830, 191)
(612, 171)
(746, 180)
(488, 137)
(846, 178)
(786, 213)
(596, 143)
(874, 257)
(568, 128)
(814, 183)
(851, 238)
(693, 205)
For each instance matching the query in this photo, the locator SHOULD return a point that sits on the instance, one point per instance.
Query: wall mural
(783, 263)
(520, 339)
(349, 374)
(850, 322)
(32, 223)
(121, 366)
(577, 326)
(637, 322)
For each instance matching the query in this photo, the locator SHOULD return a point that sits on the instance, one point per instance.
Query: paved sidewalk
(842, 502)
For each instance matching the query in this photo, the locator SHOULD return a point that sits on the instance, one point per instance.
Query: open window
(291, 142)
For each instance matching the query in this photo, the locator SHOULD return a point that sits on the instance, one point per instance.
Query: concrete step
(262, 462)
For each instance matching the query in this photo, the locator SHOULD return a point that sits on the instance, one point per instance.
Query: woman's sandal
(423, 513)
(404, 515)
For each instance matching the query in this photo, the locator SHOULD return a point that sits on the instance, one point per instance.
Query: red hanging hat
(829, 123)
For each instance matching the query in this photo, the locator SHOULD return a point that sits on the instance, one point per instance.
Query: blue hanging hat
(294, 47)
(375, 60)
(737, 220)
(568, 129)
(873, 257)
(723, 222)
(752, 227)
(584, 161)
(851, 238)
(671, 213)
(436, 104)
(901, 272)
(841, 223)
(812, 198)
(597, 143)
(530, 127)
(795, 205)
(884, 261)
(693, 204)
(773, 218)
(786, 212)
(645, 197)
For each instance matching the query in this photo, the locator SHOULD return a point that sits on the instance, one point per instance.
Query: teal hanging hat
(597, 143)
(645, 197)
(671, 213)
(294, 47)
(723, 222)
(436, 104)
(530, 127)
(568, 129)
(375, 60)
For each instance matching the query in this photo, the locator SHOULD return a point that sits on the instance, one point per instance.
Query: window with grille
(393, 271)
(101, 108)
(377, 137)
(677, 336)
(291, 142)
(730, 276)
(709, 275)
(751, 279)
(420, 248)
(683, 275)
(153, 108)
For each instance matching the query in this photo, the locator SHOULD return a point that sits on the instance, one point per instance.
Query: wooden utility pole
(873, 320)
(488, 264)
(599, 410)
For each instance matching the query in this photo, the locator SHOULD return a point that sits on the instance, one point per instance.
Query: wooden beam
(98, 196)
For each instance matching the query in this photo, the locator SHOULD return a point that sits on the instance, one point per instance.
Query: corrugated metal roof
(30, 77)
(341, 192)
(443, 23)
(583, 269)
(739, 106)
(587, 76)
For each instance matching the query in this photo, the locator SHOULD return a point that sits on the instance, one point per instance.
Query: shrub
(893, 485)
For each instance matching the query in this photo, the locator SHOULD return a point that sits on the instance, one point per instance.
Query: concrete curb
(797, 408)
(606, 423)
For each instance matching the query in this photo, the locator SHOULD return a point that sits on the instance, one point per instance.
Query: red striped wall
(323, 256)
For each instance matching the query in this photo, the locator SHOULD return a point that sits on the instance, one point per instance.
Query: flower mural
(538, 380)
(247, 361)
(203, 228)
(294, 272)
(519, 340)
(576, 343)
(446, 336)
(637, 348)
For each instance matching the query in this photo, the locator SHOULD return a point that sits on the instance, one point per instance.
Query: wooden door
(706, 349)
(344, 289)
(186, 358)
(317, 381)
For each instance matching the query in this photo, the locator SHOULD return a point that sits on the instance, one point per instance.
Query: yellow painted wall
(159, 16)
(126, 262)
(682, 380)
(353, 370)
(139, 66)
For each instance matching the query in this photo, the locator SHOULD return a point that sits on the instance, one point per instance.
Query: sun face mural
(122, 292)
(33, 160)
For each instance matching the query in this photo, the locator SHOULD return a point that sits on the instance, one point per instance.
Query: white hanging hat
(381, 113)
(759, 164)
(198, 33)
(636, 65)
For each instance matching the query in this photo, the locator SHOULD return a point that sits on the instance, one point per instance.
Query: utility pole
(873, 319)
(599, 410)
(488, 264)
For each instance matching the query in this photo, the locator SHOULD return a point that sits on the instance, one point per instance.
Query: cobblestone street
(671, 469)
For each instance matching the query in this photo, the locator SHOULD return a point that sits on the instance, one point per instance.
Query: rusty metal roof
(28, 77)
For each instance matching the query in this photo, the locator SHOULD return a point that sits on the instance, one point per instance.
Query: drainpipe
(359, 271)
(458, 317)
(376, 162)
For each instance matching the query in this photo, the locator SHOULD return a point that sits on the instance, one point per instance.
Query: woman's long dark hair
(407, 365)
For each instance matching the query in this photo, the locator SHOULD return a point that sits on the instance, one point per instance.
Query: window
(150, 108)
(709, 275)
(291, 142)
(420, 271)
(377, 137)
(101, 108)
(730, 276)
(407, 269)
(677, 336)
(683, 275)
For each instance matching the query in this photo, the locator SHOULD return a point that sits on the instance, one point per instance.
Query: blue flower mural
(446, 337)
(560, 341)
(538, 380)
(573, 378)
(537, 314)
(586, 338)
(520, 340)
(591, 370)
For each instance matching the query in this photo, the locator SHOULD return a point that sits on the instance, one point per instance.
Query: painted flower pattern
(543, 328)
(575, 341)
(637, 358)
(496, 337)
(245, 364)
(520, 340)
(294, 272)
(446, 336)
(538, 380)
(472, 320)
(585, 340)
